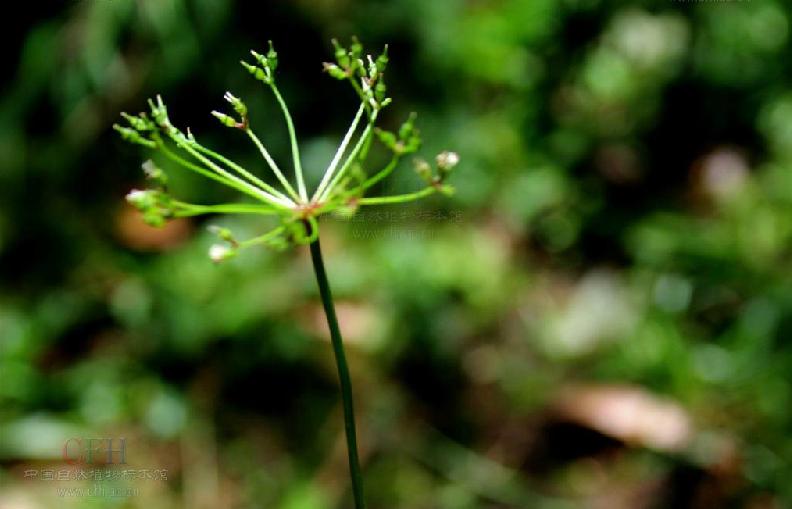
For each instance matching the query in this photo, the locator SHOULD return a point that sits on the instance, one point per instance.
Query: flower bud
(226, 120)
(335, 71)
(133, 136)
(257, 72)
(382, 60)
(223, 234)
(139, 123)
(446, 161)
(423, 170)
(341, 55)
(237, 104)
(220, 252)
(155, 173)
(407, 128)
(272, 57)
(387, 138)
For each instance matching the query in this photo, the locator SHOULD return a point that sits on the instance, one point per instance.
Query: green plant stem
(343, 373)
(293, 139)
(399, 198)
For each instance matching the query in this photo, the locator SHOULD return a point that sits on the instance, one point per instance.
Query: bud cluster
(266, 65)
(366, 75)
(239, 107)
(444, 162)
(406, 141)
(155, 205)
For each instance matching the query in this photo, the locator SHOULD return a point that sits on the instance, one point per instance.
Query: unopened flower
(220, 252)
(447, 160)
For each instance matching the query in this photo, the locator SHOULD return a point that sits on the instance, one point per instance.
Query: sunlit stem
(266, 155)
(399, 198)
(384, 172)
(351, 158)
(293, 139)
(263, 239)
(339, 153)
(242, 171)
(206, 173)
(189, 209)
(260, 194)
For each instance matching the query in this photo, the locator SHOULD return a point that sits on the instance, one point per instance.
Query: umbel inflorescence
(342, 187)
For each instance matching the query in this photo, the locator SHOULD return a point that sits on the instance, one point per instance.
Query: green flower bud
(355, 49)
(224, 119)
(223, 234)
(139, 123)
(257, 72)
(237, 104)
(382, 60)
(379, 91)
(387, 138)
(341, 55)
(335, 71)
(159, 112)
(133, 136)
(272, 57)
(408, 127)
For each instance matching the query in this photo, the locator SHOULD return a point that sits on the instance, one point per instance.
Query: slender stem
(293, 139)
(339, 153)
(343, 373)
(267, 157)
(350, 158)
(207, 173)
(189, 209)
(242, 171)
(399, 198)
(384, 172)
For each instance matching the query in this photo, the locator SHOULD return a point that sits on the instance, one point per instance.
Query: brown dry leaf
(630, 414)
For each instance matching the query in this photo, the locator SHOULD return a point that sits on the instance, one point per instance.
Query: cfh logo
(78, 451)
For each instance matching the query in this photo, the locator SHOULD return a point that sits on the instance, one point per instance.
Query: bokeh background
(600, 318)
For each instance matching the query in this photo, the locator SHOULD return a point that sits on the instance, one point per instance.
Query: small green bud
(355, 49)
(372, 68)
(379, 91)
(237, 104)
(133, 136)
(387, 138)
(335, 71)
(159, 112)
(257, 72)
(223, 234)
(411, 145)
(382, 60)
(139, 123)
(341, 55)
(226, 120)
(408, 127)
(272, 57)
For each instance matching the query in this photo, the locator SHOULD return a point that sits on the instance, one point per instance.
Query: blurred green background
(600, 318)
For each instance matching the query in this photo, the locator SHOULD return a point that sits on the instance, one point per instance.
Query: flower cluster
(342, 187)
